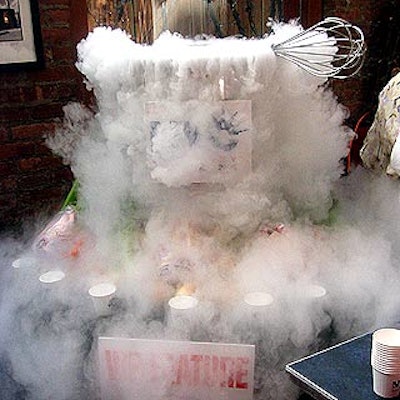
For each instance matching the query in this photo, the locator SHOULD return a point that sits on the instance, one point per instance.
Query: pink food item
(59, 228)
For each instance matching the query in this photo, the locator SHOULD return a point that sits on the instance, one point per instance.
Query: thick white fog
(210, 168)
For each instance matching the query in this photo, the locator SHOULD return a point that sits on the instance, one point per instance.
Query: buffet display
(207, 211)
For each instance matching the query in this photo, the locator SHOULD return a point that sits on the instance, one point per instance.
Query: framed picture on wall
(20, 38)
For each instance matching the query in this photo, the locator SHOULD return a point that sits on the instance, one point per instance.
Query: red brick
(15, 80)
(4, 135)
(54, 195)
(58, 91)
(39, 163)
(66, 53)
(8, 168)
(63, 175)
(56, 17)
(44, 178)
(33, 131)
(7, 202)
(15, 94)
(56, 73)
(31, 163)
(12, 150)
(55, 34)
(15, 114)
(48, 56)
(46, 111)
(42, 150)
(50, 4)
(34, 180)
(39, 93)
(7, 184)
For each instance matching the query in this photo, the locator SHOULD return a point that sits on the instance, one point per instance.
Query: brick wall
(32, 180)
(380, 21)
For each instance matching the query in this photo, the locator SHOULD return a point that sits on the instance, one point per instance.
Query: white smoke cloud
(197, 155)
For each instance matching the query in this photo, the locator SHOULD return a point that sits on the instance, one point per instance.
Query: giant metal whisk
(330, 48)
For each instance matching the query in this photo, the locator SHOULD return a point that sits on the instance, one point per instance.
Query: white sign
(145, 369)
(199, 142)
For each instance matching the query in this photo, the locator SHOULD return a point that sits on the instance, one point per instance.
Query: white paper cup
(395, 361)
(386, 368)
(23, 262)
(385, 357)
(182, 311)
(258, 299)
(52, 276)
(385, 385)
(313, 291)
(386, 339)
(101, 295)
(182, 302)
(385, 349)
(255, 310)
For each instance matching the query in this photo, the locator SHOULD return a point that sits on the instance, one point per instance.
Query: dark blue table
(341, 372)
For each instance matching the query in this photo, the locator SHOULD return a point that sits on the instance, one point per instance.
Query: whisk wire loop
(331, 48)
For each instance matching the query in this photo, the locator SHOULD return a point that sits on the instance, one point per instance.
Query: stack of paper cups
(385, 362)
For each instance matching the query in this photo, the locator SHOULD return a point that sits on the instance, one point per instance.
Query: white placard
(199, 142)
(145, 369)
(17, 41)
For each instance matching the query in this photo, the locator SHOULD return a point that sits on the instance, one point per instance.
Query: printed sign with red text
(175, 370)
